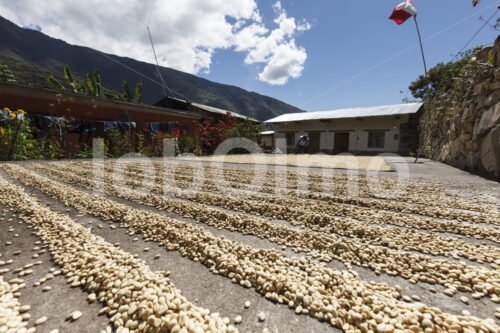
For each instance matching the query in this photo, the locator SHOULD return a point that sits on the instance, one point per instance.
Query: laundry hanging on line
(121, 126)
(45, 122)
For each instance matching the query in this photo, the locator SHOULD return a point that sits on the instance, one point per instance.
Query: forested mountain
(33, 56)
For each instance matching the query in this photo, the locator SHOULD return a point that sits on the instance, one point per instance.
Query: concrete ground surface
(453, 180)
(205, 289)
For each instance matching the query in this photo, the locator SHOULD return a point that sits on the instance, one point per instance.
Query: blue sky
(349, 37)
(317, 55)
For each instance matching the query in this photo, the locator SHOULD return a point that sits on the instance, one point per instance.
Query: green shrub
(118, 143)
(25, 147)
(186, 145)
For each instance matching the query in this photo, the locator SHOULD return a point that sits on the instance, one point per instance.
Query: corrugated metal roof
(217, 110)
(385, 110)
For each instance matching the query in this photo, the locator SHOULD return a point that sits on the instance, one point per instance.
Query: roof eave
(278, 120)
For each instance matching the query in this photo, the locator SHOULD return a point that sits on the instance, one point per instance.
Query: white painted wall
(358, 131)
(326, 141)
(280, 141)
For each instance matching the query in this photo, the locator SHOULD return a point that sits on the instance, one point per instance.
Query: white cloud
(186, 32)
(278, 51)
(303, 26)
(286, 61)
(33, 27)
(249, 37)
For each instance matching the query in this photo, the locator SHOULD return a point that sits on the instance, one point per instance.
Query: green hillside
(33, 56)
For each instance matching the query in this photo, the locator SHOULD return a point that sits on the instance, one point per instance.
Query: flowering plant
(18, 136)
(211, 134)
(13, 114)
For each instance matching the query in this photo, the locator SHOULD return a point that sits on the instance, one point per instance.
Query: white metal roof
(220, 111)
(385, 110)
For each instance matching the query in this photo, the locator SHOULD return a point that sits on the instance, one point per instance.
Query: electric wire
(141, 74)
(386, 60)
(475, 35)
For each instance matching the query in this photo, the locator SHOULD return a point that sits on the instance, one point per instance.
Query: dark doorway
(314, 139)
(341, 143)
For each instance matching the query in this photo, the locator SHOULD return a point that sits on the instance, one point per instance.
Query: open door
(314, 139)
(341, 143)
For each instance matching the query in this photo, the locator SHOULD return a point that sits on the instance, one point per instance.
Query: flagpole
(421, 47)
(426, 76)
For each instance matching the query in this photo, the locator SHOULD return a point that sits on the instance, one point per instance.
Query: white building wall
(326, 140)
(279, 140)
(358, 132)
(355, 140)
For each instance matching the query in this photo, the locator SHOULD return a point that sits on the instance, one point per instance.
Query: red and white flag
(403, 12)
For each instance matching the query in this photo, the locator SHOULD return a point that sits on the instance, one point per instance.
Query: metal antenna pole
(157, 66)
(421, 46)
(426, 80)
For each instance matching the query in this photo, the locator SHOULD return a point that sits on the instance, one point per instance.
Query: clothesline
(77, 125)
(64, 125)
(4, 115)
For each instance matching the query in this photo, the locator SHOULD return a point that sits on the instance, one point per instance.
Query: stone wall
(462, 127)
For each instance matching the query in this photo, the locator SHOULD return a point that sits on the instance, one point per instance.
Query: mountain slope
(32, 56)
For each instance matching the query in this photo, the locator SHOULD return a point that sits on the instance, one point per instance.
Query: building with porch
(267, 140)
(368, 130)
(96, 111)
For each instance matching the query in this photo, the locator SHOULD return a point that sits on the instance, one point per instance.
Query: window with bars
(376, 139)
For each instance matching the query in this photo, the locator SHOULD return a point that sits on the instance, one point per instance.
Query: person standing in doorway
(302, 145)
